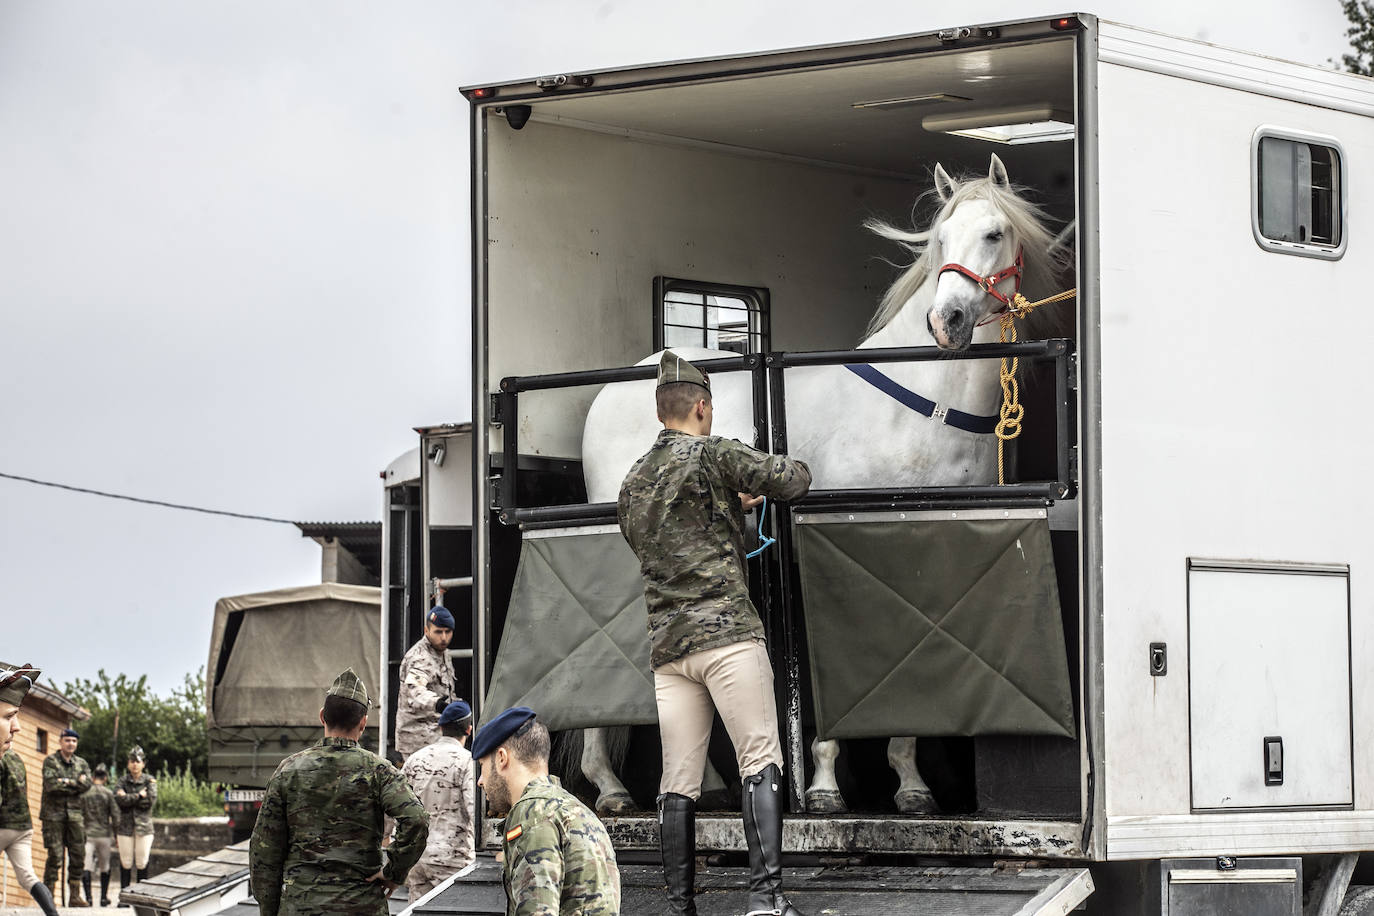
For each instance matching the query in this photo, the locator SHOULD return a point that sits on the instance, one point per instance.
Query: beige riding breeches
(135, 850)
(18, 845)
(98, 850)
(735, 680)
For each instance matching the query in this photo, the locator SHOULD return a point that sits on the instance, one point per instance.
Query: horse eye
(994, 236)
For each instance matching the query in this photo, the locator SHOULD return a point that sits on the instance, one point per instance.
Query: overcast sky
(233, 261)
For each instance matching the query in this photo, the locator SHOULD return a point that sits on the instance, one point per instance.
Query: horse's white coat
(849, 433)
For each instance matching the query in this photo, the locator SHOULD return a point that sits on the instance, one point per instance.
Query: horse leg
(612, 798)
(823, 795)
(913, 795)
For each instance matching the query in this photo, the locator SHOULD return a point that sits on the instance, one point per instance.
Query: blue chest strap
(968, 422)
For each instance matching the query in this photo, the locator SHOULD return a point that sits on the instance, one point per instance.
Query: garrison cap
(69, 733)
(101, 770)
(673, 368)
(348, 686)
(15, 683)
(494, 733)
(456, 711)
(439, 616)
(136, 753)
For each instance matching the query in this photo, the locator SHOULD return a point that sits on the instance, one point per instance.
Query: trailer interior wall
(1231, 390)
(761, 181)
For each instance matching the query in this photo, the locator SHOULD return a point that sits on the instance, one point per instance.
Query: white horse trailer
(1198, 493)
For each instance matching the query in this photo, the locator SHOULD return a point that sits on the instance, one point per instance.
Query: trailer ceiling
(810, 113)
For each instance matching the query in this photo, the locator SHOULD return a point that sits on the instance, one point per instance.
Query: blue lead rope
(764, 540)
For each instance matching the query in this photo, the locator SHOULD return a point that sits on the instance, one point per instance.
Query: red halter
(989, 283)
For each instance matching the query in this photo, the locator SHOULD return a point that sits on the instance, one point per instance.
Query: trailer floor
(833, 891)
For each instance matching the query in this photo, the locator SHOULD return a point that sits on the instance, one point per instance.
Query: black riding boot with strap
(86, 885)
(124, 882)
(762, 808)
(104, 888)
(43, 897)
(677, 839)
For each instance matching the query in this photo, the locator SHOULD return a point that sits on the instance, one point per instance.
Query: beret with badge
(496, 732)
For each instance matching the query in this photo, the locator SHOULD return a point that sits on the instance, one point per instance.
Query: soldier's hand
(120, 793)
(748, 501)
(389, 885)
(143, 793)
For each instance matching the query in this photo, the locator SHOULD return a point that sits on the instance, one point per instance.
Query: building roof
(362, 539)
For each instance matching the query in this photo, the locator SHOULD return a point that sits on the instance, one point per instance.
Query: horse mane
(1048, 259)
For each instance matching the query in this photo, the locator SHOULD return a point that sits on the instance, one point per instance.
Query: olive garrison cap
(673, 368)
(348, 686)
(136, 753)
(16, 682)
(494, 733)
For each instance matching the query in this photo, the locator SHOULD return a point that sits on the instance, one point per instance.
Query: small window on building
(1299, 193)
(42, 741)
(718, 316)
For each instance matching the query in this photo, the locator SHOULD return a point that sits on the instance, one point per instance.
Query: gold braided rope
(1011, 413)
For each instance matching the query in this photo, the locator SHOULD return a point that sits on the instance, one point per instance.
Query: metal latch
(1273, 761)
(1159, 659)
(954, 34)
(495, 413)
(550, 83)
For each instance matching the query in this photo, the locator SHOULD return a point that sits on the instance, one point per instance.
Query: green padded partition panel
(933, 623)
(575, 647)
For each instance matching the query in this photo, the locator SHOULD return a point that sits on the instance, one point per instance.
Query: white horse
(851, 433)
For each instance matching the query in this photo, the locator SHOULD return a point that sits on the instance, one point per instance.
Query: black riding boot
(124, 882)
(104, 888)
(762, 807)
(677, 839)
(86, 884)
(43, 897)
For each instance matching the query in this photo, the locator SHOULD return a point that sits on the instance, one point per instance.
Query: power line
(147, 502)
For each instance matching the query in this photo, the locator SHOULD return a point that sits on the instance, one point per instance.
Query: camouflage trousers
(57, 834)
(425, 878)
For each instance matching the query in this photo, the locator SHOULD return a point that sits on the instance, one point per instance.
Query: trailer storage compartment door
(575, 645)
(934, 623)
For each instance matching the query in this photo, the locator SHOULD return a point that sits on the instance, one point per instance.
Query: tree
(170, 729)
(1361, 35)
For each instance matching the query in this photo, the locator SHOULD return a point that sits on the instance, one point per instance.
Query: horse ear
(998, 173)
(944, 185)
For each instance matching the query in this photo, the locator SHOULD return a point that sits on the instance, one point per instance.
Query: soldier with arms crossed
(442, 778)
(65, 777)
(681, 509)
(135, 795)
(558, 859)
(16, 824)
(427, 683)
(316, 848)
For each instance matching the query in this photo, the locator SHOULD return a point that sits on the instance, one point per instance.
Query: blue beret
(456, 711)
(494, 733)
(69, 733)
(439, 617)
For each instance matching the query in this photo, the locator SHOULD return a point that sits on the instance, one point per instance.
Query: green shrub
(181, 794)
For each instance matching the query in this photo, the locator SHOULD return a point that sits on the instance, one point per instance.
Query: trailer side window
(718, 316)
(1298, 193)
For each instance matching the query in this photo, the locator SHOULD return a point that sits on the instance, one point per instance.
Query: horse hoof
(616, 804)
(716, 800)
(825, 801)
(916, 801)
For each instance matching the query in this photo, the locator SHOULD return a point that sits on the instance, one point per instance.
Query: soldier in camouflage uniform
(427, 683)
(101, 816)
(558, 858)
(681, 509)
(136, 794)
(65, 778)
(316, 849)
(16, 822)
(442, 776)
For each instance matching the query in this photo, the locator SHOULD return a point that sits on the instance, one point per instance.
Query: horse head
(981, 248)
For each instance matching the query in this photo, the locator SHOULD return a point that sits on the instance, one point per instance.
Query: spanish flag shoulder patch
(514, 833)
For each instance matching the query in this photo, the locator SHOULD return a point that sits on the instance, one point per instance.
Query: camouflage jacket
(441, 776)
(559, 860)
(135, 810)
(426, 678)
(100, 812)
(14, 793)
(318, 837)
(63, 784)
(679, 510)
